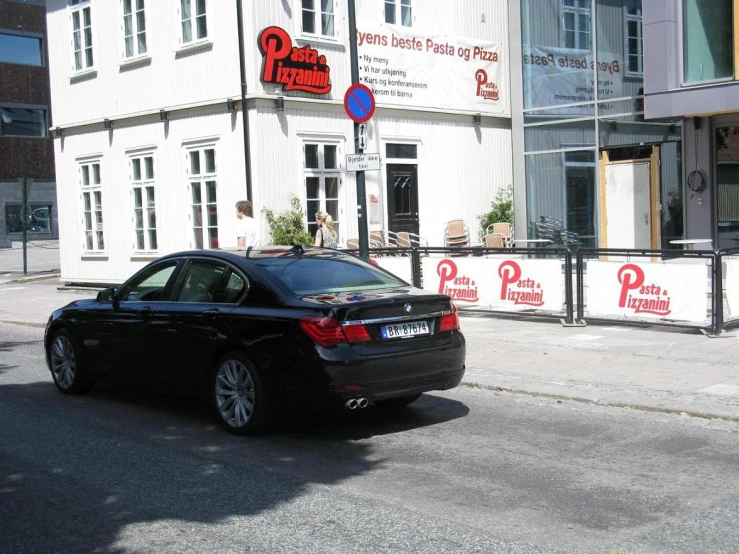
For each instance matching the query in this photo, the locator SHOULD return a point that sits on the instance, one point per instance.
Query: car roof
(241, 256)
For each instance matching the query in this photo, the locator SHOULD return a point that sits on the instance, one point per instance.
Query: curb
(34, 278)
(708, 413)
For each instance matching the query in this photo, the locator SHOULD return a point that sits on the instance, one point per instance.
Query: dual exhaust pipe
(354, 403)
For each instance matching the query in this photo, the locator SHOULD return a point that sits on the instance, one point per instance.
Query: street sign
(362, 136)
(359, 103)
(362, 162)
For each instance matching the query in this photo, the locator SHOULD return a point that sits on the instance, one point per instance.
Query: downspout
(244, 111)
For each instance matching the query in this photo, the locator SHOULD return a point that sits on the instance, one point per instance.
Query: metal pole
(24, 220)
(718, 295)
(361, 192)
(580, 270)
(569, 317)
(244, 111)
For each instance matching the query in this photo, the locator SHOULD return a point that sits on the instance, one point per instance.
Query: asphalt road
(469, 470)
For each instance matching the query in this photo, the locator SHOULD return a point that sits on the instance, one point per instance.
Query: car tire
(67, 368)
(398, 403)
(239, 397)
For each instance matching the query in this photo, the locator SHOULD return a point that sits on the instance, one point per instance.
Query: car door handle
(210, 314)
(144, 312)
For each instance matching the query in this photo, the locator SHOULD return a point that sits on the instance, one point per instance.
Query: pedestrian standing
(247, 230)
(326, 235)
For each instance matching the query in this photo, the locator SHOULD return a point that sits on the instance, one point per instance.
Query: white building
(147, 111)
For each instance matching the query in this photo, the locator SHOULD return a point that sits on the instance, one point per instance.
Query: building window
(405, 12)
(82, 34)
(134, 28)
(318, 17)
(194, 22)
(322, 181)
(19, 49)
(576, 24)
(203, 185)
(92, 203)
(579, 196)
(22, 122)
(634, 40)
(144, 203)
(38, 218)
(708, 40)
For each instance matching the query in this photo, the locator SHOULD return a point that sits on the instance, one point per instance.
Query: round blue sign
(359, 103)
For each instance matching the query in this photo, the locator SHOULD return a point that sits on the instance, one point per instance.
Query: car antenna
(248, 251)
(297, 250)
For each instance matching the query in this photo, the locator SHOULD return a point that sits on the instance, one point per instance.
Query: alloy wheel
(235, 395)
(63, 362)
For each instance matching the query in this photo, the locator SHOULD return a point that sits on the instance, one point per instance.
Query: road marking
(585, 336)
(11, 288)
(620, 329)
(723, 390)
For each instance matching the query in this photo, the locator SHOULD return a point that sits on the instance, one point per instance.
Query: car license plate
(404, 330)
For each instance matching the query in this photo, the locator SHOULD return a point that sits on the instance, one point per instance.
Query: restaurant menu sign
(406, 67)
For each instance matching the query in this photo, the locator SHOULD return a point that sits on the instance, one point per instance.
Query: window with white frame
(322, 183)
(92, 206)
(576, 24)
(144, 202)
(633, 36)
(81, 34)
(318, 17)
(203, 187)
(194, 20)
(391, 15)
(134, 28)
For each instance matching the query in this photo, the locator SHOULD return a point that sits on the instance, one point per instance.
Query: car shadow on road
(123, 466)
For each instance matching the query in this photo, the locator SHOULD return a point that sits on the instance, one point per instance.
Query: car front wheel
(239, 398)
(66, 367)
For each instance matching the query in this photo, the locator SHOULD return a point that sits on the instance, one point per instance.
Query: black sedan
(261, 330)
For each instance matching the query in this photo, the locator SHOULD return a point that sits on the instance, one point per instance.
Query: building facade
(692, 73)
(26, 151)
(151, 151)
(584, 154)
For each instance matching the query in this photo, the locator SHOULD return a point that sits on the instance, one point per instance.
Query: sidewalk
(650, 368)
(42, 262)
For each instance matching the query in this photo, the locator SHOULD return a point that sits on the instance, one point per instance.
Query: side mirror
(106, 295)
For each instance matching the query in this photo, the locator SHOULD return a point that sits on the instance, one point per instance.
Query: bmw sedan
(261, 330)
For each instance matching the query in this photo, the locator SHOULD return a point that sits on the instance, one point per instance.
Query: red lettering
(630, 277)
(447, 271)
(509, 273)
(276, 45)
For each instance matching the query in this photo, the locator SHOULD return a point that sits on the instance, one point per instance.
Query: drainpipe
(244, 111)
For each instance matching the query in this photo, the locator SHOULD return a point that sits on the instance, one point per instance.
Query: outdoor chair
(352, 244)
(456, 234)
(407, 240)
(503, 228)
(551, 228)
(495, 240)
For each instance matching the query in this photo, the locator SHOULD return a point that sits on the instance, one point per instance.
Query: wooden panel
(602, 207)
(655, 199)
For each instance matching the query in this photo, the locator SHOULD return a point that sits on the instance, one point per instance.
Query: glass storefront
(585, 136)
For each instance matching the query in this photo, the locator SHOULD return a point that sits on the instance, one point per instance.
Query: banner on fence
(658, 291)
(503, 284)
(731, 278)
(400, 266)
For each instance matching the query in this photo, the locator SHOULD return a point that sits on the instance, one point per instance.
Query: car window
(235, 289)
(201, 281)
(313, 275)
(150, 285)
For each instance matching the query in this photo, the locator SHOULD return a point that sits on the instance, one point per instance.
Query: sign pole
(361, 191)
(24, 220)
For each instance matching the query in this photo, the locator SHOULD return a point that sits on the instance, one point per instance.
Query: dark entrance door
(402, 198)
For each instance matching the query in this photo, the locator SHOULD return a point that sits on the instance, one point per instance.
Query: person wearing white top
(247, 230)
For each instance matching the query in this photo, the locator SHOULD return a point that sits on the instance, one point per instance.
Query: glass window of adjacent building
(20, 49)
(708, 40)
(620, 59)
(16, 121)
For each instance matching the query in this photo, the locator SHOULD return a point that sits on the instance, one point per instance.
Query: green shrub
(288, 227)
(501, 209)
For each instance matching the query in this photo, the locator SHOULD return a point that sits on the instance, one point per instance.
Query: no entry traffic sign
(359, 103)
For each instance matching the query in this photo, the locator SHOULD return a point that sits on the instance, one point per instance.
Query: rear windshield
(308, 275)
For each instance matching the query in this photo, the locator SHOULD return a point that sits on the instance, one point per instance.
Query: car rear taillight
(327, 331)
(449, 322)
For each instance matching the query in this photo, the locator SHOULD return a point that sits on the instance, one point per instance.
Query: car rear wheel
(239, 397)
(66, 368)
(397, 403)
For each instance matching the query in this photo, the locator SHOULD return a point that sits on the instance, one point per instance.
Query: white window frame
(199, 180)
(577, 11)
(137, 28)
(398, 6)
(640, 43)
(317, 22)
(92, 220)
(192, 21)
(143, 182)
(77, 11)
(322, 173)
